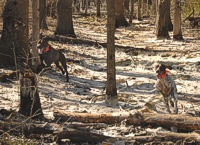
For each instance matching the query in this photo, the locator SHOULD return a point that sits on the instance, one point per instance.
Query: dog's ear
(169, 67)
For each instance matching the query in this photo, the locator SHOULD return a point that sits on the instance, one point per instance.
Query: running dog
(166, 86)
(49, 55)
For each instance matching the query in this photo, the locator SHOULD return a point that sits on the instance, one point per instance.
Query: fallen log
(76, 136)
(180, 122)
(167, 136)
(5, 77)
(23, 128)
(194, 21)
(162, 136)
(180, 136)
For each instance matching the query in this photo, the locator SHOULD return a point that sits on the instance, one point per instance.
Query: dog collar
(47, 48)
(162, 76)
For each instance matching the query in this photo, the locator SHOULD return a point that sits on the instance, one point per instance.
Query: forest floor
(137, 52)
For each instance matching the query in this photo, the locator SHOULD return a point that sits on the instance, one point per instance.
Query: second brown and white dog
(166, 86)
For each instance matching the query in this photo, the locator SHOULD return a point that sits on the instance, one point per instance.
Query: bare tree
(16, 52)
(86, 7)
(177, 33)
(162, 17)
(168, 16)
(15, 33)
(139, 17)
(111, 90)
(126, 5)
(64, 21)
(98, 8)
(120, 18)
(43, 10)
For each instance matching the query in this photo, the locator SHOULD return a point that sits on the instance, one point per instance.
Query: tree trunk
(148, 7)
(177, 33)
(119, 11)
(161, 24)
(168, 17)
(15, 33)
(29, 96)
(43, 10)
(86, 7)
(139, 10)
(64, 21)
(154, 6)
(35, 31)
(111, 90)
(180, 122)
(126, 5)
(51, 8)
(132, 11)
(98, 8)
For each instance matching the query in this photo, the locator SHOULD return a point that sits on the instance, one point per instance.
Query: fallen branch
(180, 122)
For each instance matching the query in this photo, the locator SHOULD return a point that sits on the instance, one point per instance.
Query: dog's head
(43, 45)
(161, 69)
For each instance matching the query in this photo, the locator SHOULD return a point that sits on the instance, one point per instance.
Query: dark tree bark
(43, 10)
(120, 18)
(64, 21)
(168, 17)
(98, 8)
(111, 90)
(177, 33)
(161, 20)
(15, 33)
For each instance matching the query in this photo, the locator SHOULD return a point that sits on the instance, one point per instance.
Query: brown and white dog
(166, 86)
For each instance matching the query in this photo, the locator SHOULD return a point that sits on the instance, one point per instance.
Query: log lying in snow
(167, 136)
(180, 122)
(4, 77)
(77, 136)
(23, 127)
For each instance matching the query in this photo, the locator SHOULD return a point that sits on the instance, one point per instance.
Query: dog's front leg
(167, 104)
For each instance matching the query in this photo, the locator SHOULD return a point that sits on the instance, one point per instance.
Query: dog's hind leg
(64, 65)
(58, 66)
(175, 101)
(65, 68)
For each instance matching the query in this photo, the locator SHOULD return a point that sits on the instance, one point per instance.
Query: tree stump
(29, 96)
